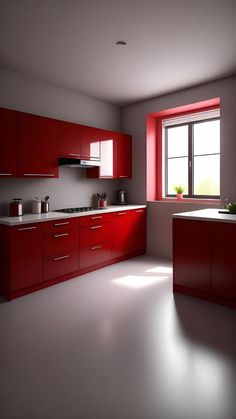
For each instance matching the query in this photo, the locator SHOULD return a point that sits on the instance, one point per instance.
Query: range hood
(78, 162)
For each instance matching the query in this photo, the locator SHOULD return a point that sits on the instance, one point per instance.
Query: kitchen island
(204, 264)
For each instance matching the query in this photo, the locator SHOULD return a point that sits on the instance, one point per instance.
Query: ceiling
(171, 44)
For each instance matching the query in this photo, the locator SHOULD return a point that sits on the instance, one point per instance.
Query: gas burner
(78, 209)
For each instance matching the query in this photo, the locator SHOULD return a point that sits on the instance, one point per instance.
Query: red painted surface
(60, 225)
(69, 138)
(154, 162)
(191, 254)
(223, 259)
(138, 229)
(25, 256)
(204, 260)
(124, 156)
(61, 264)
(95, 234)
(8, 143)
(90, 142)
(38, 146)
(96, 218)
(95, 254)
(60, 242)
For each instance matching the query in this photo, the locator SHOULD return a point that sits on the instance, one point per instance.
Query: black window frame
(190, 157)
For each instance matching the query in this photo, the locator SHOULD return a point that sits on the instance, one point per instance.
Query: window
(192, 154)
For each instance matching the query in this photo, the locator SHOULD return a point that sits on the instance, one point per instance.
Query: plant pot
(179, 196)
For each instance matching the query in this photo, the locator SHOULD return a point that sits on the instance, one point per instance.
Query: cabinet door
(191, 254)
(138, 229)
(69, 139)
(26, 256)
(122, 234)
(8, 143)
(124, 156)
(90, 143)
(223, 260)
(95, 234)
(94, 255)
(38, 146)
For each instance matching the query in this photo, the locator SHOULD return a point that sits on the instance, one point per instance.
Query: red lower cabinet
(95, 254)
(26, 256)
(204, 260)
(223, 260)
(94, 234)
(59, 265)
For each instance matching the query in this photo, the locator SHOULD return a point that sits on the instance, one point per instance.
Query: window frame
(190, 155)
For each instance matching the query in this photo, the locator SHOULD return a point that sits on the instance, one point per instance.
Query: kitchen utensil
(121, 197)
(36, 206)
(16, 207)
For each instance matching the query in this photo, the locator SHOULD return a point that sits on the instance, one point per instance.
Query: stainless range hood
(78, 162)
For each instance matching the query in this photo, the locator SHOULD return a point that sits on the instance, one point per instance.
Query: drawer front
(61, 242)
(92, 255)
(95, 219)
(60, 225)
(62, 264)
(95, 234)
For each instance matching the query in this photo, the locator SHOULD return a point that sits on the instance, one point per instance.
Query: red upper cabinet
(38, 146)
(124, 156)
(69, 139)
(90, 142)
(8, 143)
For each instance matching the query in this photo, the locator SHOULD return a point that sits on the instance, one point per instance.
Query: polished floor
(116, 344)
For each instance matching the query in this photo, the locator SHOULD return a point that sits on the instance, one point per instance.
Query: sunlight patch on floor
(135, 281)
(160, 270)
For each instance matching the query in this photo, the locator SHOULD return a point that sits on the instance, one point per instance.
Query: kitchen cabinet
(94, 255)
(60, 247)
(69, 139)
(116, 157)
(38, 146)
(223, 260)
(191, 254)
(8, 143)
(138, 229)
(204, 260)
(90, 143)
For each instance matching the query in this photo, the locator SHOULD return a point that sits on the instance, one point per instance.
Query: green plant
(179, 188)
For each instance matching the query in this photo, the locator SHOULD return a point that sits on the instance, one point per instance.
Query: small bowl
(232, 207)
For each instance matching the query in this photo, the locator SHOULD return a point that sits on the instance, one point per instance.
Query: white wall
(72, 188)
(133, 120)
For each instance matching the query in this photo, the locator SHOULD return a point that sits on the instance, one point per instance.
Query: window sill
(188, 201)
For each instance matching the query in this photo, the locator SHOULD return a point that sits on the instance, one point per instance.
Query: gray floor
(116, 344)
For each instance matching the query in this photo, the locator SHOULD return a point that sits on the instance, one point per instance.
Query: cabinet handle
(139, 211)
(74, 154)
(60, 235)
(38, 174)
(61, 224)
(26, 228)
(5, 174)
(95, 247)
(122, 213)
(61, 257)
(122, 176)
(94, 227)
(96, 218)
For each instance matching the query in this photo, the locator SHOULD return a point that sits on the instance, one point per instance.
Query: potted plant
(179, 189)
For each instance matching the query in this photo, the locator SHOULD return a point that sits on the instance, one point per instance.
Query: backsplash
(71, 189)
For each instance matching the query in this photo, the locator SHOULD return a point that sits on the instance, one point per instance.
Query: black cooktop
(78, 209)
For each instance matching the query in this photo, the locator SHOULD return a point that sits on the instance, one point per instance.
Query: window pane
(207, 175)
(207, 137)
(177, 174)
(177, 141)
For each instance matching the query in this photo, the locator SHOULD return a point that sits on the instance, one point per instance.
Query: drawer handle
(74, 154)
(5, 174)
(123, 176)
(122, 213)
(139, 211)
(94, 227)
(95, 247)
(61, 257)
(61, 224)
(60, 235)
(38, 174)
(26, 228)
(96, 218)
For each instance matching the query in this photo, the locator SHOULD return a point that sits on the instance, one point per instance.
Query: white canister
(36, 206)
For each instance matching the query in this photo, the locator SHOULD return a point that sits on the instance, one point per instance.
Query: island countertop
(209, 214)
(49, 216)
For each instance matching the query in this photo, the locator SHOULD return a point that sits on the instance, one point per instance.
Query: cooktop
(78, 209)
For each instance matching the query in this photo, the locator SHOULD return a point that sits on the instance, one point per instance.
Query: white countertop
(37, 218)
(209, 214)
